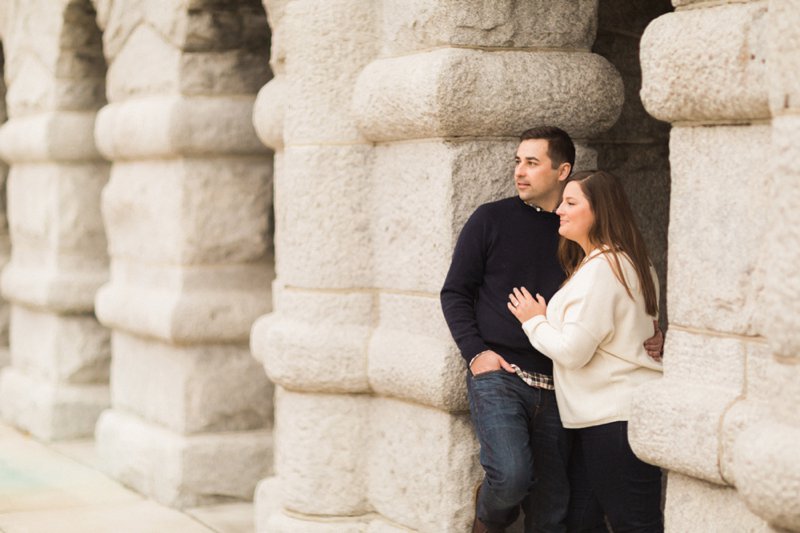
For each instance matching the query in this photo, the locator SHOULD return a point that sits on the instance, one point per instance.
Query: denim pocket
(489, 373)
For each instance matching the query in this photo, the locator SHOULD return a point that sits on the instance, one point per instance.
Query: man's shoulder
(496, 207)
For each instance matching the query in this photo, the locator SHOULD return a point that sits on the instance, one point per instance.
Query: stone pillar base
(50, 411)
(182, 470)
(696, 505)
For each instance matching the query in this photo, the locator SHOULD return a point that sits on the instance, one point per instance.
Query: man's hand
(655, 344)
(524, 306)
(488, 361)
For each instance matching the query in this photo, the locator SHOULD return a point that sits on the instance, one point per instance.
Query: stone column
(56, 385)
(314, 344)
(372, 426)
(765, 459)
(705, 70)
(187, 210)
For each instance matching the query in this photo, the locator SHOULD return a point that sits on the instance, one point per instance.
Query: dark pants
(524, 452)
(607, 477)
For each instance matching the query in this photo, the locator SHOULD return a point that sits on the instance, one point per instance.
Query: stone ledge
(182, 471)
(707, 64)
(50, 411)
(459, 92)
(175, 126)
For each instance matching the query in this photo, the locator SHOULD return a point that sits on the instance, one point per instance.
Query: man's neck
(545, 205)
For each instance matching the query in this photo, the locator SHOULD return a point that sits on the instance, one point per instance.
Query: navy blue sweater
(504, 244)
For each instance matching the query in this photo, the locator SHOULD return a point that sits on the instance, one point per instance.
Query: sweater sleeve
(460, 290)
(587, 318)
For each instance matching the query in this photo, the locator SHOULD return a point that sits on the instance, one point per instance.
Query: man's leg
(546, 506)
(500, 408)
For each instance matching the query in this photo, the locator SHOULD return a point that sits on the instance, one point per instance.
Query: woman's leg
(585, 514)
(628, 489)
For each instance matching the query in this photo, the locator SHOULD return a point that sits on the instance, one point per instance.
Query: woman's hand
(524, 306)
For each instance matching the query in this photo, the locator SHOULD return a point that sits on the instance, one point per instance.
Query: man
(505, 244)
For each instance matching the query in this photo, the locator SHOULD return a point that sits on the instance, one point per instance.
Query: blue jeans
(607, 477)
(524, 452)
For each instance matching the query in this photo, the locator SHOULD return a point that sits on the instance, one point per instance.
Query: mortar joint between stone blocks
(721, 334)
(752, 121)
(709, 4)
(532, 49)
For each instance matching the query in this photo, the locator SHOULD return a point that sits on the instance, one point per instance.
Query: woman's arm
(571, 346)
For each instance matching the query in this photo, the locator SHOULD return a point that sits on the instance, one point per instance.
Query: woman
(593, 330)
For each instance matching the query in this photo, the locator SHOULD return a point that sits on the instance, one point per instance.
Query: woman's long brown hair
(615, 228)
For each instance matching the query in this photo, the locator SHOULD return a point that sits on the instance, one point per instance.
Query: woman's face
(576, 215)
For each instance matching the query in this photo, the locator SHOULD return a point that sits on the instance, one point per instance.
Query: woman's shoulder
(602, 266)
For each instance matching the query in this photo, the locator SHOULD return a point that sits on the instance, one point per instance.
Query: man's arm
(459, 294)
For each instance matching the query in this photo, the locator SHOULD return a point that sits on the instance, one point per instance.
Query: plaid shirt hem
(535, 379)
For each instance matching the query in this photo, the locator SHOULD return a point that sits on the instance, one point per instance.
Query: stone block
(752, 406)
(269, 112)
(422, 193)
(784, 71)
(189, 211)
(55, 136)
(705, 359)
(676, 425)
(235, 72)
(403, 438)
(224, 26)
(323, 228)
(169, 126)
(319, 452)
(695, 505)
(767, 466)
(48, 410)
(30, 89)
(182, 471)
(412, 356)
(188, 304)
(59, 348)
(117, 19)
(46, 286)
(207, 388)
(782, 307)
(315, 340)
(146, 64)
(425, 24)
(58, 206)
(59, 257)
(455, 92)
(267, 501)
(714, 223)
(327, 43)
(708, 64)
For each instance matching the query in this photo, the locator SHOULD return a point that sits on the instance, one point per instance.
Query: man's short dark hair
(560, 148)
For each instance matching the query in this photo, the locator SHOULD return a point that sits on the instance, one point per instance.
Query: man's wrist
(475, 357)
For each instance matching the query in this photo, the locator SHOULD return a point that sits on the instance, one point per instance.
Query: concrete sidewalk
(59, 488)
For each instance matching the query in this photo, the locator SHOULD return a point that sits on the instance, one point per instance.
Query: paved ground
(60, 489)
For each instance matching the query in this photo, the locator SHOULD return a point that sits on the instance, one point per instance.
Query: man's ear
(564, 170)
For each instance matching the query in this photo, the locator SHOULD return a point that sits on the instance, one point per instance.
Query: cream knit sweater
(594, 333)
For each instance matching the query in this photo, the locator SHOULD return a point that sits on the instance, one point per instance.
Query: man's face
(534, 175)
